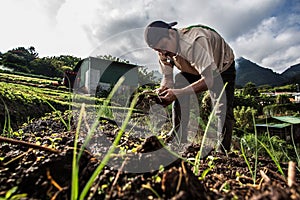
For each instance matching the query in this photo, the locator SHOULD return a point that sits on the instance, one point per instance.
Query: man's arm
(201, 85)
(166, 69)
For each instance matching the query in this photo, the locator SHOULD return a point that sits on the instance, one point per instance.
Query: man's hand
(168, 96)
(160, 90)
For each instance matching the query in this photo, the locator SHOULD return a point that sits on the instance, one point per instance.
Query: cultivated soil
(45, 173)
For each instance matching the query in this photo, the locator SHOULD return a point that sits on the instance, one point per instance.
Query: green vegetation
(34, 97)
(10, 195)
(27, 60)
(20, 101)
(108, 154)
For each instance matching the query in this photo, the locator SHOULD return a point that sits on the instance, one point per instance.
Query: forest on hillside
(27, 60)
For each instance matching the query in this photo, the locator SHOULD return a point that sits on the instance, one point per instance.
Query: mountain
(248, 71)
(292, 74)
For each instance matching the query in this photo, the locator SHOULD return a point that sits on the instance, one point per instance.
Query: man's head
(160, 36)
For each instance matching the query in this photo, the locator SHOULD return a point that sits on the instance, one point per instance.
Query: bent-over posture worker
(205, 61)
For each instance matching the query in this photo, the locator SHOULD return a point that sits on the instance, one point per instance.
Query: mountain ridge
(248, 71)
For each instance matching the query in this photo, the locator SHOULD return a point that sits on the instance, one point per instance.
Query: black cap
(157, 30)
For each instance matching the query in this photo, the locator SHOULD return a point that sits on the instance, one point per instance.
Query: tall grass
(7, 129)
(247, 161)
(75, 164)
(100, 113)
(75, 161)
(210, 119)
(256, 150)
(67, 124)
(295, 148)
(267, 144)
(273, 157)
(272, 153)
(110, 151)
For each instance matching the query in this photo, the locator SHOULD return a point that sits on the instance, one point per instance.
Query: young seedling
(210, 164)
(246, 160)
(295, 148)
(10, 194)
(7, 130)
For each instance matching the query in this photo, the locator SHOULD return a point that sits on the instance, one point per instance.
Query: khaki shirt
(198, 49)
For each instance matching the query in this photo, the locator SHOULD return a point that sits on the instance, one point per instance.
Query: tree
(112, 58)
(244, 119)
(250, 89)
(15, 62)
(282, 99)
(19, 58)
(33, 52)
(27, 60)
(146, 77)
(67, 60)
(44, 66)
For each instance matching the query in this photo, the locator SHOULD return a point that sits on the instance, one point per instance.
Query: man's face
(167, 45)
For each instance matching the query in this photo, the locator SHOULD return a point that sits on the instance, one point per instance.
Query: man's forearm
(167, 81)
(196, 87)
(201, 85)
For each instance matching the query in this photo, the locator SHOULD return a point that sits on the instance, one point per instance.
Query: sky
(267, 32)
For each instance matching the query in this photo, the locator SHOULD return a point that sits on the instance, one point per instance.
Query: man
(206, 62)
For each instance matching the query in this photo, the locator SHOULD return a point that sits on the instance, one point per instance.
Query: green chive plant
(296, 149)
(67, 123)
(242, 142)
(11, 196)
(148, 186)
(202, 146)
(7, 129)
(271, 146)
(75, 164)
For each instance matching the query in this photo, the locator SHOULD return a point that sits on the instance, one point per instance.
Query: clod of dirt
(181, 183)
(150, 144)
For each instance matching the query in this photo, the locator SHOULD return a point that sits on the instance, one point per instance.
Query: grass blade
(197, 159)
(256, 150)
(110, 151)
(75, 161)
(272, 157)
(246, 159)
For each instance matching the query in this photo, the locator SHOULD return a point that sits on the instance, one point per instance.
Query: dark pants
(181, 106)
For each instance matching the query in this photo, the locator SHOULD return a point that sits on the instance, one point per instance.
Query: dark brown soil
(46, 173)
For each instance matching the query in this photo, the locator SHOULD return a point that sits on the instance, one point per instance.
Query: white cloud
(281, 60)
(264, 31)
(51, 9)
(231, 17)
(273, 44)
(22, 23)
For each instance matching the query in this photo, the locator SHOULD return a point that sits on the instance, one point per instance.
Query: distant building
(92, 73)
(282, 126)
(294, 97)
(297, 98)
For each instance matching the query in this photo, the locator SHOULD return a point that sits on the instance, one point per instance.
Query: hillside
(292, 74)
(248, 71)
